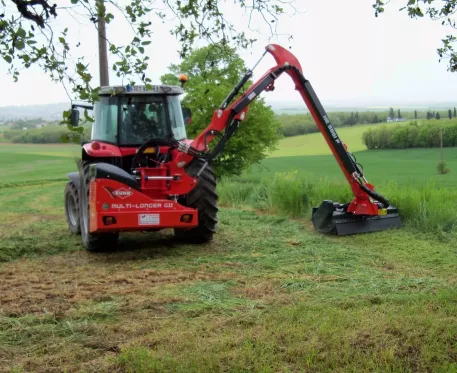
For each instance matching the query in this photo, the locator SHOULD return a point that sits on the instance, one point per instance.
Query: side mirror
(187, 115)
(74, 117)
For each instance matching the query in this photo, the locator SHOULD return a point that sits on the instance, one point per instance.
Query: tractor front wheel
(92, 241)
(72, 208)
(203, 198)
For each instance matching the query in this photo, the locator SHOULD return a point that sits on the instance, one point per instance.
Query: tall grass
(423, 207)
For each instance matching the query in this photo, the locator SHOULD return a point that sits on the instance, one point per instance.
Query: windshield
(106, 114)
(141, 118)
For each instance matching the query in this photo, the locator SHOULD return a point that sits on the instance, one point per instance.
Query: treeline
(45, 135)
(301, 124)
(412, 135)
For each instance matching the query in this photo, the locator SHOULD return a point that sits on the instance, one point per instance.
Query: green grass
(314, 143)
(409, 166)
(23, 164)
(57, 150)
(267, 295)
(423, 208)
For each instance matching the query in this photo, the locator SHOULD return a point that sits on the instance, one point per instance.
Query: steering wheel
(151, 142)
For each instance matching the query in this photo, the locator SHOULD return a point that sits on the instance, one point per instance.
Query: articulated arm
(228, 118)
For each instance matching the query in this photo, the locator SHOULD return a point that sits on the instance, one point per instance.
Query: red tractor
(139, 172)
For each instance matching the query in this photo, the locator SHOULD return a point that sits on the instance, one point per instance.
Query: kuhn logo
(120, 193)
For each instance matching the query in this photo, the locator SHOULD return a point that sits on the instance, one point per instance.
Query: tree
(442, 11)
(356, 117)
(415, 114)
(391, 113)
(429, 115)
(437, 115)
(29, 36)
(399, 115)
(350, 121)
(213, 71)
(455, 112)
(449, 114)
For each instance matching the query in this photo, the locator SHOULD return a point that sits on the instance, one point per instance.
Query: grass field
(32, 163)
(314, 143)
(311, 156)
(267, 295)
(380, 166)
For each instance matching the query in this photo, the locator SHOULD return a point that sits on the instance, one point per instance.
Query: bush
(442, 168)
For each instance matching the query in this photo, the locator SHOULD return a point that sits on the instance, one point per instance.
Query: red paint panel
(132, 209)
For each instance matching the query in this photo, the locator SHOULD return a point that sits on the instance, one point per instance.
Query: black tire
(203, 198)
(92, 241)
(72, 208)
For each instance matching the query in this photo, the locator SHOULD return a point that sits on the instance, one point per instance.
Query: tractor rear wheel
(92, 241)
(203, 198)
(72, 208)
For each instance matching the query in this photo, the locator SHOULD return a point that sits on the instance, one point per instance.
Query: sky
(349, 55)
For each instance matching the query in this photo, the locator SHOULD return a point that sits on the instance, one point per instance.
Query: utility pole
(102, 49)
(441, 135)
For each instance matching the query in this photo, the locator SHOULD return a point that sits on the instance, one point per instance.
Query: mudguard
(74, 176)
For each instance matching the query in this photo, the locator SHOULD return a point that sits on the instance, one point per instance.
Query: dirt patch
(260, 290)
(364, 342)
(56, 284)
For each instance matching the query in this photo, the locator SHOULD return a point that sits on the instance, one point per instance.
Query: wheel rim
(72, 210)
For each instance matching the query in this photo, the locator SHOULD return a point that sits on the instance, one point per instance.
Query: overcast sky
(346, 53)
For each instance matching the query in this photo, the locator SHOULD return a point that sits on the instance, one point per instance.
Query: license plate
(149, 219)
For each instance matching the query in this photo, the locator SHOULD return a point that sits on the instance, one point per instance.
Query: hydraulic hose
(375, 195)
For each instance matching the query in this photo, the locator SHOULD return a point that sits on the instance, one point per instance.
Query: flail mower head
(333, 218)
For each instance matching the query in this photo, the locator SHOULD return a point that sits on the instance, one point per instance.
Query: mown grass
(267, 296)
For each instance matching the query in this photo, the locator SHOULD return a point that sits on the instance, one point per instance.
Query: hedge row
(301, 124)
(411, 135)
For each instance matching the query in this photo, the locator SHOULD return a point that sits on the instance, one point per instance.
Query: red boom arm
(228, 119)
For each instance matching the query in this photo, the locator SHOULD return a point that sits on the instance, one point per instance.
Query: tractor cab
(129, 116)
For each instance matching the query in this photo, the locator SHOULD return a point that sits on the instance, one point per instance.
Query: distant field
(58, 150)
(310, 154)
(27, 163)
(380, 166)
(314, 144)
